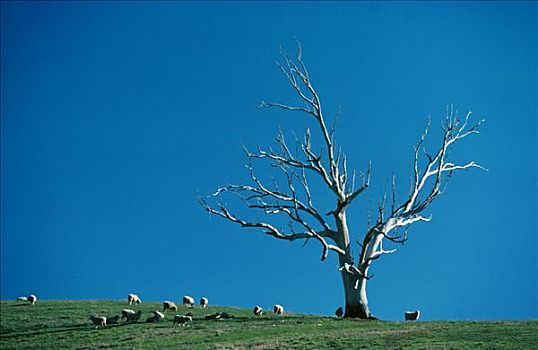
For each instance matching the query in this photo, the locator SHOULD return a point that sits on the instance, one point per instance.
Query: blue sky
(116, 116)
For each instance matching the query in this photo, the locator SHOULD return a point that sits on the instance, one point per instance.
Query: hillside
(65, 325)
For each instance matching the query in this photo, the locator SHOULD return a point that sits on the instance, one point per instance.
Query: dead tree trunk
(354, 285)
(356, 298)
(290, 196)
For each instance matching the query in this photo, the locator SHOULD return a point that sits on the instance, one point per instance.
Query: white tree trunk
(356, 299)
(354, 285)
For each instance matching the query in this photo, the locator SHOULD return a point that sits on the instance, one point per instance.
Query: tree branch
(276, 201)
(420, 197)
(271, 230)
(335, 174)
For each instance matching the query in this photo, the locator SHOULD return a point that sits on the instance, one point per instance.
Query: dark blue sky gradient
(116, 116)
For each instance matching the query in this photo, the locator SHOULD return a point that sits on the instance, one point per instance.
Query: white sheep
(133, 299)
(22, 299)
(133, 317)
(204, 302)
(278, 309)
(182, 319)
(257, 310)
(212, 317)
(169, 305)
(98, 321)
(157, 316)
(126, 313)
(412, 315)
(188, 301)
(32, 299)
(225, 315)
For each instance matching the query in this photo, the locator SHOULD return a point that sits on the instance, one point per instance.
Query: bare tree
(294, 201)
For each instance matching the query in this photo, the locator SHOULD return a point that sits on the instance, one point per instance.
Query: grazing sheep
(126, 313)
(112, 320)
(212, 317)
(257, 310)
(188, 301)
(182, 319)
(339, 312)
(412, 315)
(32, 299)
(278, 309)
(157, 316)
(217, 316)
(169, 305)
(133, 299)
(134, 317)
(225, 315)
(22, 299)
(204, 302)
(98, 321)
(151, 319)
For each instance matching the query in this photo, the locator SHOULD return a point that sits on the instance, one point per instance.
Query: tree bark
(356, 299)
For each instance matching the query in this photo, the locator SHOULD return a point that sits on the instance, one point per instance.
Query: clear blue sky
(116, 116)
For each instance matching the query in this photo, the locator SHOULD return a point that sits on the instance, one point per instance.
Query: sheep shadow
(66, 329)
(16, 305)
(122, 324)
(257, 319)
(81, 327)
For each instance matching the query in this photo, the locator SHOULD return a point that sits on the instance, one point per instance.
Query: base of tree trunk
(358, 311)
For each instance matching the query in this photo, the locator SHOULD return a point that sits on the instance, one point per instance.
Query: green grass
(65, 325)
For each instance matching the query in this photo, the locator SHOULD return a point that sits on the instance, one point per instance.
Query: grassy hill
(65, 325)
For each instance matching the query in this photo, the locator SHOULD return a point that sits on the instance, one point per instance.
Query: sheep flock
(128, 315)
(131, 316)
